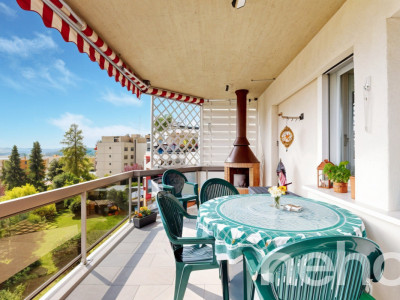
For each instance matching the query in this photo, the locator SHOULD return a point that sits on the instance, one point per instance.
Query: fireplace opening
(239, 177)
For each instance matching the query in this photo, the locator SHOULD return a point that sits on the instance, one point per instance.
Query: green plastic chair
(191, 253)
(173, 181)
(216, 187)
(281, 273)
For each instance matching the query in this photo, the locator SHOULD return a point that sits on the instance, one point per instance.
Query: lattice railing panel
(175, 133)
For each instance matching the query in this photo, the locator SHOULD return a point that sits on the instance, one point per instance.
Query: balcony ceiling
(197, 47)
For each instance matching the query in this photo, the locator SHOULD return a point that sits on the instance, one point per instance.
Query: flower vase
(277, 203)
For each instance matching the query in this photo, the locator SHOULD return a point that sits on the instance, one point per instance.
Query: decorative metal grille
(175, 133)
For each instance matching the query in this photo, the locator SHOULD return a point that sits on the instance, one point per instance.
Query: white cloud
(25, 47)
(11, 83)
(91, 132)
(121, 99)
(55, 75)
(8, 11)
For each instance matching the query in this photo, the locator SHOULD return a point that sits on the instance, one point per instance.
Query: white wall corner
(323, 117)
(393, 75)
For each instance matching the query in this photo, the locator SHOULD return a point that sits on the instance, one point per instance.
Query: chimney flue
(241, 152)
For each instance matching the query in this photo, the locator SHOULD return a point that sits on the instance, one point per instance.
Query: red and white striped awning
(57, 15)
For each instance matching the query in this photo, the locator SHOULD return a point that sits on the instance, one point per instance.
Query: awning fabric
(52, 19)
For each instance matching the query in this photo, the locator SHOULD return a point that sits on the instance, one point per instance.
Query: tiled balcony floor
(142, 267)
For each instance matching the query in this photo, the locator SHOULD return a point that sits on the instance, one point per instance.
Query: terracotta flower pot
(340, 187)
(353, 187)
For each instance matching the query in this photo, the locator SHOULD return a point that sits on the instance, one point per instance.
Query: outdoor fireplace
(242, 168)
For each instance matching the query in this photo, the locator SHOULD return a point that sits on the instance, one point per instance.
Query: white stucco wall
(370, 30)
(302, 153)
(359, 27)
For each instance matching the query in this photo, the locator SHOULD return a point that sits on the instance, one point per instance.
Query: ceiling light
(238, 3)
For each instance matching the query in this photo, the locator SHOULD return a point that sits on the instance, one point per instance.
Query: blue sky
(46, 85)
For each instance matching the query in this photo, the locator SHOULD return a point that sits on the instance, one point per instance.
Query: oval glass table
(242, 221)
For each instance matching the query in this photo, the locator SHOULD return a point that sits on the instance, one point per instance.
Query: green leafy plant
(338, 174)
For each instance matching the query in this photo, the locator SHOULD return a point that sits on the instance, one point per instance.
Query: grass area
(57, 255)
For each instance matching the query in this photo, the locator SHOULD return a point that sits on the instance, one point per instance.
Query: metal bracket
(301, 117)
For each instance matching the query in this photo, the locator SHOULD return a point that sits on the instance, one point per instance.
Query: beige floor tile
(163, 260)
(101, 276)
(205, 277)
(165, 292)
(145, 275)
(213, 291)
(126, 247)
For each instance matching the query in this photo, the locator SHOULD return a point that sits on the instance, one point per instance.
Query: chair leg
(178, 277)
(184, 204)
(183, 282)
(224, 279)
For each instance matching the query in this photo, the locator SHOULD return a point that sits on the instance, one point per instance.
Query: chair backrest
(171, 212)
(176, 179)
(216, 187)
(332, 267)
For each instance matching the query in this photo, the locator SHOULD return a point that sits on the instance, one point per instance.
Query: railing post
(197, 178)
(130, 199)
(138, 192)
(83, 228)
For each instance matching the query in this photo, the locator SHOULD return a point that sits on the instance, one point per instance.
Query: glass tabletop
(257, 211)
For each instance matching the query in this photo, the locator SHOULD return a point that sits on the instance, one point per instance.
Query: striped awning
(57, 15)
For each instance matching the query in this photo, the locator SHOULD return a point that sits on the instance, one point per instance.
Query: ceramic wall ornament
(287, 137)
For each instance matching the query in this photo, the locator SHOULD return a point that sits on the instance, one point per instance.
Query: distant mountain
(46, 152)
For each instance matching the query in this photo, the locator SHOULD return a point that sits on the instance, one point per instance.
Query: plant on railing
(143, 212)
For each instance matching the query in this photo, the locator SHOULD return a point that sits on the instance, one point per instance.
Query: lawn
(53, 255)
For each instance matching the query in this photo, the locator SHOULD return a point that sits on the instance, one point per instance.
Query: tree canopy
(18, 192)
(55, 168)
(36, 167)
(13, 175)
(75, 160)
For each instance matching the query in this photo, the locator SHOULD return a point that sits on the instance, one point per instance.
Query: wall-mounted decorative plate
(287, 137)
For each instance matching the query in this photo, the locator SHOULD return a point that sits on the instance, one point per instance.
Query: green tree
(55, 168)
(21, 191)
(36, 167)
(13, 175)
(74, 152)
(65, 179)
(163, 122)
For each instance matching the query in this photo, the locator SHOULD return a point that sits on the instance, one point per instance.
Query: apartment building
(114, 153)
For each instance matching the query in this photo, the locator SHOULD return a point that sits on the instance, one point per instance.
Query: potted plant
(339, 175)
(144, 217)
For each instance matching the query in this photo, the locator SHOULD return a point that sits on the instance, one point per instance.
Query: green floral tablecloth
(243, 221)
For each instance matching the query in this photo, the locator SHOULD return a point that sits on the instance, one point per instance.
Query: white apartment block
(114, 153)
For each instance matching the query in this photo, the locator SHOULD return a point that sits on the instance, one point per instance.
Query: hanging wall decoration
(287, 135)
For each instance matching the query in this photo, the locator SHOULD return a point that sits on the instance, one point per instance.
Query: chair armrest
(195, 240)
(251, 262)
(195, 187)
(168, 188)
(186, 215)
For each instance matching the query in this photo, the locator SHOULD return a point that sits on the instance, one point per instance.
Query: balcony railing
(16, 211)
